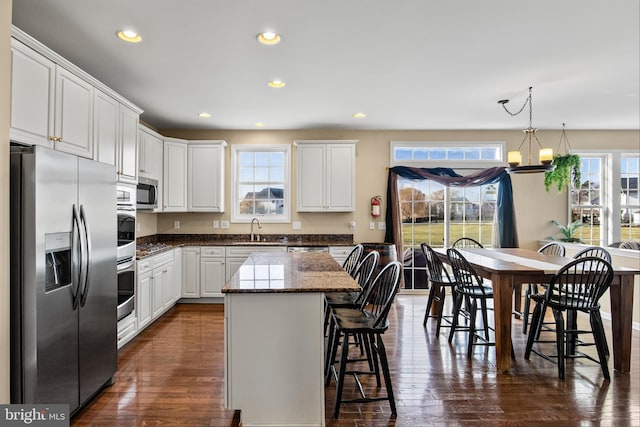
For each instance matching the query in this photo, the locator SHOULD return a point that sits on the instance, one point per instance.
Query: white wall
(5, 84)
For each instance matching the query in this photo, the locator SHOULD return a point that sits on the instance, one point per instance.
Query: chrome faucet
(255, 237)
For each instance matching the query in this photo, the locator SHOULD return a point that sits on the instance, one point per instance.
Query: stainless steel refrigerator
(63, 277)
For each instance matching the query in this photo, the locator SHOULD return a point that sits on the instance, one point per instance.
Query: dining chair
(596, 251)
(466, 242)
(577, 286)
(351, 262)
(551, 249)
(369, 322)
(469, 285)
(439, 280)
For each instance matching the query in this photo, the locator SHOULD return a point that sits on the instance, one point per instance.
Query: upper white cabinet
(175, 176)
(105, 128)
(57, 105)
(150, 149)
(32, 96)
(127, 168)
(50, 106)
(326, 175)
(205, 172)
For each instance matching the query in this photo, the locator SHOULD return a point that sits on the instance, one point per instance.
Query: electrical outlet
(352, 225)
(224, 224)
(372, 225)
(297, 225)
(138, 226)
(381, 225)
(176, 224)
(215, 223)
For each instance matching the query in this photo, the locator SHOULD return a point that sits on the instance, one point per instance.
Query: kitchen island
(274, 337)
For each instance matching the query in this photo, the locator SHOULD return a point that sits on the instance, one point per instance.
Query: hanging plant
(566, 172)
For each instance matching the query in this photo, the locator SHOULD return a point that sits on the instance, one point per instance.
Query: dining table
(507, 268)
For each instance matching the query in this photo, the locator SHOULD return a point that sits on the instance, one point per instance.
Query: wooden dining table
(510, 267)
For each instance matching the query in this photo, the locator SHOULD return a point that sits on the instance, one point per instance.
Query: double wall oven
(126, 254)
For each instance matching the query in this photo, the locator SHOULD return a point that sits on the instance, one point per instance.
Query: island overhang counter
(274, 336)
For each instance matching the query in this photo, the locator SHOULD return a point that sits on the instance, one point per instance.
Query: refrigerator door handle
(77, 254)
(84, 292)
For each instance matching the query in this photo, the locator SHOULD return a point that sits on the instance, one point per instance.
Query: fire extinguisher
(375, 206)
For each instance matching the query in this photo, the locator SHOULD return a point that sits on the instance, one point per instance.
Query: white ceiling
(407, 64)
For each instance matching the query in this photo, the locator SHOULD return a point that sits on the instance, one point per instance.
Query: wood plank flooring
(173, 375)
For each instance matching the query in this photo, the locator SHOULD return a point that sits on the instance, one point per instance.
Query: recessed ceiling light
(204, 115)
(129, 36)
(269, 38)
(359, 115)
(276, 84)
(259, 125)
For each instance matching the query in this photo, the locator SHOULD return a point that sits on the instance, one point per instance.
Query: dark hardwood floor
(172, 375)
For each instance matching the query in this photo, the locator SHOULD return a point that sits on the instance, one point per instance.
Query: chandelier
(514, 158)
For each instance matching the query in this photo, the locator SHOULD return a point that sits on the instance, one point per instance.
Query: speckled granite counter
(157, 243)
(290, 272)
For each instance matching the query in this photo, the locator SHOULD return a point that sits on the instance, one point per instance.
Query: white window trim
(453, 164)
(236, 216)
(610, 189)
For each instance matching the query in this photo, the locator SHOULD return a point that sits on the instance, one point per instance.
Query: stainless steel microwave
(147, 194)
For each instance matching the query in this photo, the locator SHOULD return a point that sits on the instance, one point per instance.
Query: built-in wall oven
(126, 254)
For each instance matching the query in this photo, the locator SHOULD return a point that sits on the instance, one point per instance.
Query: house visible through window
(261, 176)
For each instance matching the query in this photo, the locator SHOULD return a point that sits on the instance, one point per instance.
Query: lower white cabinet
(212, 271)
(143, 293)
(191, 272)
(158, 286)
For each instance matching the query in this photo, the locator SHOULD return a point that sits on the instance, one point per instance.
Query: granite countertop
(153, 245)
(290, 272)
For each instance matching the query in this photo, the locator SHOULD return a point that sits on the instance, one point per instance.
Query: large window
(261, 176)
(607, 200)
(436, 214)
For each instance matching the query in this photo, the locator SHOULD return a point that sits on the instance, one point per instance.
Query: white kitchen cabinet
(176, 279)
(144, 293)
(50, 106)
(106, 111)
(150, 149)
(235, 256)
(175, 176)
(205, 182)
(73, 114)
(32, 96)
(212, 271)
(191, 272)
(127, 167)
(163, 274)
(326, 175)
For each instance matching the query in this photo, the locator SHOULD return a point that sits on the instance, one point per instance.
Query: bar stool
(368, 322)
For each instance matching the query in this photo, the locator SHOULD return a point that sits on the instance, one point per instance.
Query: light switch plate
(176, 224)
(381, 225)
(297, 225)
(372, 225)
(215, 223)
(224, 224)
(352, 225)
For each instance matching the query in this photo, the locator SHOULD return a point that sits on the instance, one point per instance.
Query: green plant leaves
(567, 171)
